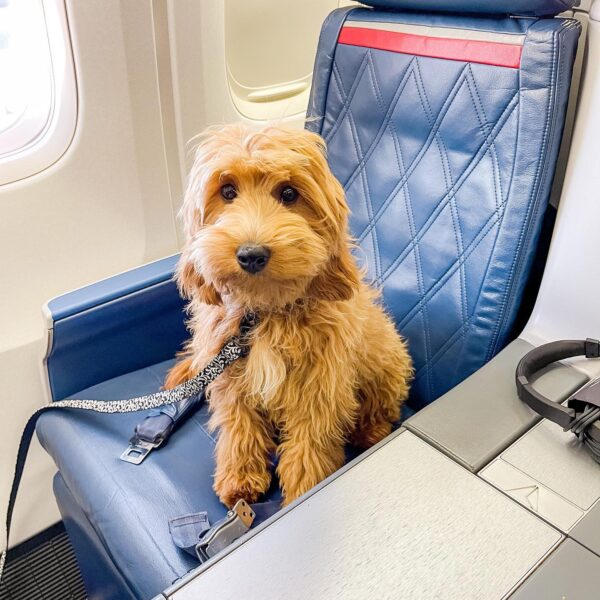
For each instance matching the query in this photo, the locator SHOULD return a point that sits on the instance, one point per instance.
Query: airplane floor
(43, 568)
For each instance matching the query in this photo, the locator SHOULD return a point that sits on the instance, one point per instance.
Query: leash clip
(224, 532)
(136, 452)
(247, 324)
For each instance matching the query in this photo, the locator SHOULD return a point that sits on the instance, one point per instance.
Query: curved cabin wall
(568, 298)
(269, 70)
(102, 208)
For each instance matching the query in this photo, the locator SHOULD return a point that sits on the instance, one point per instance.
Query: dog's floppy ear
(192, 285)
(339, 279)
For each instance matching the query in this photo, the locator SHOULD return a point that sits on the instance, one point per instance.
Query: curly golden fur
(326, 364)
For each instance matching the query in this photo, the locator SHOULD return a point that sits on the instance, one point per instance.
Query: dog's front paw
(369, 434)
(232, 487)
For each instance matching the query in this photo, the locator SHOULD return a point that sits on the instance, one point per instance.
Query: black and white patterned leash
(235, 348)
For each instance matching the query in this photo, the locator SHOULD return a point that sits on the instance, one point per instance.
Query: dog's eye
(288, 195)
(228, 192)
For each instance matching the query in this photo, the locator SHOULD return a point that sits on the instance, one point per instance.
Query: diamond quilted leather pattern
(427, 150)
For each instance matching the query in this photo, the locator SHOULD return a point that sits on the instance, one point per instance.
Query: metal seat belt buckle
(136, 452)
(150, 434)
(237, 522)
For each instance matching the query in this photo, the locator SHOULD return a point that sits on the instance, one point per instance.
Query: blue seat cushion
(116, 513)
(128, 507)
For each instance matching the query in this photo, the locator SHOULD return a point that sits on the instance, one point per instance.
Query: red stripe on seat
(487, 53)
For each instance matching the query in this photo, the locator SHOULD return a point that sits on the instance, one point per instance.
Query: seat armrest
(482, 416)
(400, 521)
(114, 326)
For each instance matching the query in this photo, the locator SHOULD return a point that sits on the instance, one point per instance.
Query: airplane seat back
(444, 129)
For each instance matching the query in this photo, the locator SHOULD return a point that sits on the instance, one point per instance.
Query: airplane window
(25, 72)
(37, 91)
(270, 48)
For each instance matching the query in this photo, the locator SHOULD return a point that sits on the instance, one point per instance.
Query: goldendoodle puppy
(266, 227)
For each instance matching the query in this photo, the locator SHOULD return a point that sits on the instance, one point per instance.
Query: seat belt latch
(224, 532)
(151, 433)
(136, 452)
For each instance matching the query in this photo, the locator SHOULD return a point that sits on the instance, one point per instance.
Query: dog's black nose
(253, 258)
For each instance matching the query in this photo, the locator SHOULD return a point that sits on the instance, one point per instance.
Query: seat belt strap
(194, 534)
(158, 426)
(235, 348)
(187, 530)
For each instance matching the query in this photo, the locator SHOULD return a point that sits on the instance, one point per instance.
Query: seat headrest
(529, 8)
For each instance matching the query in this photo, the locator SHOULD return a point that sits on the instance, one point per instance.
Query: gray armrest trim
(481, 417)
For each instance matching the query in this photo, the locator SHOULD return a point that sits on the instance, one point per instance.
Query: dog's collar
(248, 323)
(302, 305)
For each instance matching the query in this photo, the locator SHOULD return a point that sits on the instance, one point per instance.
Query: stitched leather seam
(479, 154)
(348, 100)
(197, 422)
(420, 154)
(532, 206)
(368, 203)
(484, 126)
(433, 291)
(323, 104)
(458, 234)
(458, 334)
(498, 192)
(382, 127)
(365, 182)
(443, 152)
(410, 216)
(375, 83)
(429, 117)
(505, 199)
(365, 177)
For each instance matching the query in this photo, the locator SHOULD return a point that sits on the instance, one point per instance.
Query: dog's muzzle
(253, 258)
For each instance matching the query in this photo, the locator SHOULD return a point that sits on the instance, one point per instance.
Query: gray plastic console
(551, 473)
(587, 530)
(570, 573)
(404, 521)
(483, 415)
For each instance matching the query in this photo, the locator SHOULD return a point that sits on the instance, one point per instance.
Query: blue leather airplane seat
(444, 132)
(443, 120)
